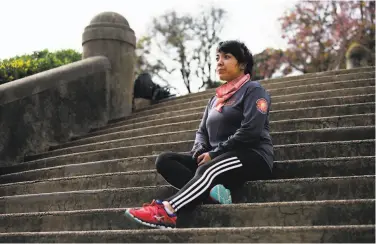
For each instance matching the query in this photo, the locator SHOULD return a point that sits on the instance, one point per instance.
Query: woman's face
(228, 67)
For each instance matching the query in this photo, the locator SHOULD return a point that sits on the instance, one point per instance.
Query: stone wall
(51, 107)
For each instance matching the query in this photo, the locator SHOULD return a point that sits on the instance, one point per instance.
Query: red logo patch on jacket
(262, 105)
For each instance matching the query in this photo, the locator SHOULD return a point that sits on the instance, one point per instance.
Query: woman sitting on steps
(232, 144)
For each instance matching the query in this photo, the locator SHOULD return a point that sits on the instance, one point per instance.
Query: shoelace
(151, 207)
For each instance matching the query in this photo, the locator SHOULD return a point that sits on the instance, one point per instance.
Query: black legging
(232, 169)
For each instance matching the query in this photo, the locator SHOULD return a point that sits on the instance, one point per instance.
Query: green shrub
(22, 66)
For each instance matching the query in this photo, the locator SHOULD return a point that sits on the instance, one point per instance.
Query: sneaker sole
(131, 217)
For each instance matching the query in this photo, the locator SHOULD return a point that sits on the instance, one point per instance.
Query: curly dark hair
(240, 51)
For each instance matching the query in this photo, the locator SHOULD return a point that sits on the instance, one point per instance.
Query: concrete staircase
(323, 128)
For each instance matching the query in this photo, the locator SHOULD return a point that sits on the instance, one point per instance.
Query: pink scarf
(225, 91)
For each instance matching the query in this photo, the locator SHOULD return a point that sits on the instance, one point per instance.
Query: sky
(29, 26)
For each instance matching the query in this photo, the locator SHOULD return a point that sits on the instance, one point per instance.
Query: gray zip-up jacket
(242, 124)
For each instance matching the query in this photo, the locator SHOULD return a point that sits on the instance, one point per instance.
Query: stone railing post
(109, 34)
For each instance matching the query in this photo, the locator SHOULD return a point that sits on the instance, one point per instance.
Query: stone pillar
(358, 55)
(109, 34)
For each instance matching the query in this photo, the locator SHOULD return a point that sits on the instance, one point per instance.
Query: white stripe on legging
(207, 185)
(213, 171)
(202, 180)
(203, 176)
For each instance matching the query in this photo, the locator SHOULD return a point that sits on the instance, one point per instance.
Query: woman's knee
(200, 170)
(162, 161)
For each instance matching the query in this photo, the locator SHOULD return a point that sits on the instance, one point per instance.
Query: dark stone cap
(109, 17)
(109, 26)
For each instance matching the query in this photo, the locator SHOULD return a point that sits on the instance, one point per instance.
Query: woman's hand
(203, 158)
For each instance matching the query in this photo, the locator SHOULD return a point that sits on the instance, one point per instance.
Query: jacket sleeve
(202, 138)
(255, 112)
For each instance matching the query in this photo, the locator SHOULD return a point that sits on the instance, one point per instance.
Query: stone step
(272, 84)
(282, 170)
(282, 152)
(309, 112)
(160, 122)
(282, 125)
(279, 92)
(276, 116)
(207, 94)
(324, 73)
(304, 213)
(322, 87)
(289, 234)
(304, 189)
(321, 167)
(279, 138)
(275, 99)
(275, 105)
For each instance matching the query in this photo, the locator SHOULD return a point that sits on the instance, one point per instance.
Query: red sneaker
(152, 215)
